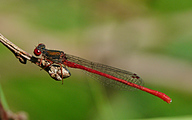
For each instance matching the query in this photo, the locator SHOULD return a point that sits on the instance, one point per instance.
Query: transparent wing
(118, 73)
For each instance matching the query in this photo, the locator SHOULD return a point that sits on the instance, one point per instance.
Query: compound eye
(37, 52)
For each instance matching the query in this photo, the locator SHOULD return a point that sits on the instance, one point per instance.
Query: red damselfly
(108, 75)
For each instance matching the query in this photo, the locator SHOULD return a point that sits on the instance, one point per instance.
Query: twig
(54, 70)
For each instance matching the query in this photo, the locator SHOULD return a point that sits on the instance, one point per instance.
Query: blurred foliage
(79, 98)
(180, 49)
(69, 14)
(166, 6)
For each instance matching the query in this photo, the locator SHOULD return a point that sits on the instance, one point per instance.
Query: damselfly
(108, 75)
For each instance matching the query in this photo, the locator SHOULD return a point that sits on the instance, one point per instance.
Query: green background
(149, 37)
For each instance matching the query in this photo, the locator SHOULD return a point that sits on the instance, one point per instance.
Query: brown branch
(8, 115)
(3, 114)
(54, 70)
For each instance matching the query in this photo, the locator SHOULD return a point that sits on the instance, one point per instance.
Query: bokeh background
(152, 38)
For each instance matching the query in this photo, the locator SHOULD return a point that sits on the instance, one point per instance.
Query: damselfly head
(38, 49)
